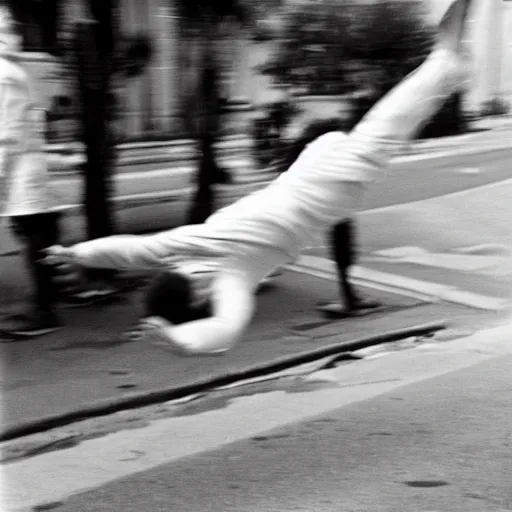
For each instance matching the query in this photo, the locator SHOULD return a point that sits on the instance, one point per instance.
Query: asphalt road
(441, 445)
(406, 182)
(422, 180)
(426, 429)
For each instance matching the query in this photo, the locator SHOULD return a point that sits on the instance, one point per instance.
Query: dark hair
(310, 133)
(170, 296)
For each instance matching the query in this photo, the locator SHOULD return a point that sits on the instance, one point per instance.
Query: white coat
(25, 184)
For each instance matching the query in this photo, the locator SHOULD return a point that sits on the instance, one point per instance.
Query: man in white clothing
(203, 298)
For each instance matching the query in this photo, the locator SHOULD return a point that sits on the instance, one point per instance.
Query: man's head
(178, 297)
(10, 37)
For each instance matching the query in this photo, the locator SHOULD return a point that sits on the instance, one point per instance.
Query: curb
(136, 400)
(395, 283)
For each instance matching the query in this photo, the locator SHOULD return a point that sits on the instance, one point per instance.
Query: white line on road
(331, 275)
(394, 283)
(468, 170)
(454, 195)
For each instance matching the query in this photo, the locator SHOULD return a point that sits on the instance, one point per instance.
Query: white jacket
(25, 186)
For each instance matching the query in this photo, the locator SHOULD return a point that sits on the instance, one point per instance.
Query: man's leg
(48, 235)
(39, 232)
(342, 244)
(394, 120)
(401, 114)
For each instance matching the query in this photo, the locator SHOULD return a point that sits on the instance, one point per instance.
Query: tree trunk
(203, 202)
(93, 76)
(206, 126)
(98, 168)
(93, 55)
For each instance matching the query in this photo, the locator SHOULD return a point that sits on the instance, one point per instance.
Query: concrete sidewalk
(89, 367)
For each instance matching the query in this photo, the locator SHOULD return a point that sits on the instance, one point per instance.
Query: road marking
(451, 195)
(440, 154)
(331, 276)
(397, 284)
(468, 170)
(487, 260)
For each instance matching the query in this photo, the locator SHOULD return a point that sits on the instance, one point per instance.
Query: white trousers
(401, 114)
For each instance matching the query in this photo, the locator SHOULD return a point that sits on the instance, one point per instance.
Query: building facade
(152, 103)
(490, 41)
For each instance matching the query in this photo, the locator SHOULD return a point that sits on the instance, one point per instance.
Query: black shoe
(39, 325)
(360, 307)
(363, 304)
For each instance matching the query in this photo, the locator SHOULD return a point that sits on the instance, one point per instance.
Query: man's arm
(233, 308)
(118, 252)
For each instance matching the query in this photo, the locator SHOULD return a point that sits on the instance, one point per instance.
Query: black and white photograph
(256, 255)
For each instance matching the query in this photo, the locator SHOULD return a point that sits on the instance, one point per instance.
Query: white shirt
(25, 184)
(264, 230)
(247, 240)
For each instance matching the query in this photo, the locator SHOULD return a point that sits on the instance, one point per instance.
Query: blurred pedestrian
(26, 197)
(206, 105)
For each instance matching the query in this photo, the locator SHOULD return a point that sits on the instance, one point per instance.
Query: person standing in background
(26, 197)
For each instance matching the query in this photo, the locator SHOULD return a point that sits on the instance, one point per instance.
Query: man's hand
(68, 272)
(158, 332)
